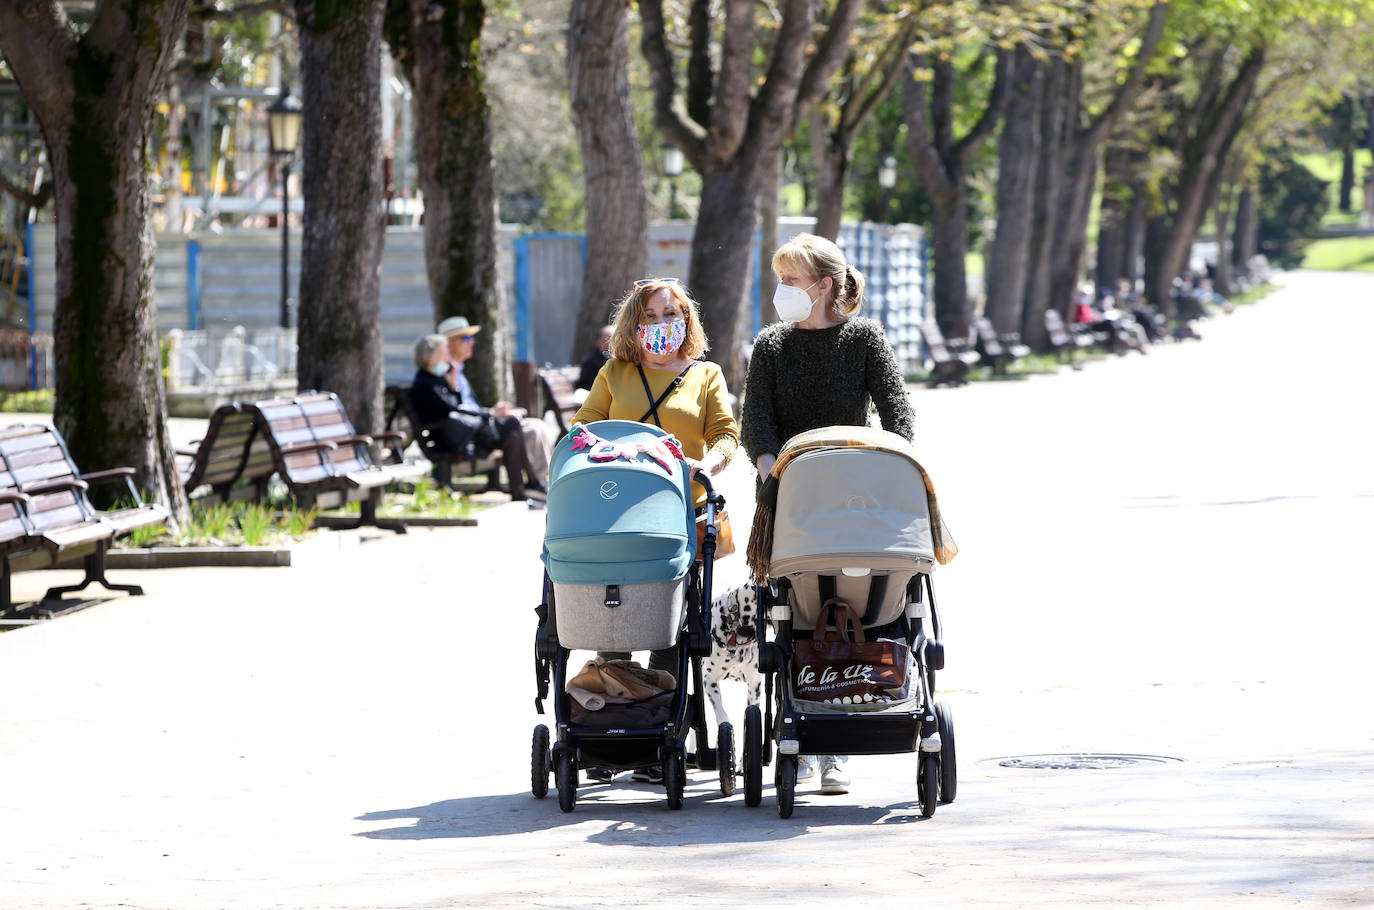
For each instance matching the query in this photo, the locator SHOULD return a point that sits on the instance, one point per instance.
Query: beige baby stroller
(849, 516)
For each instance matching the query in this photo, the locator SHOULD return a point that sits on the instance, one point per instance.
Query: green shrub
(1293, 202)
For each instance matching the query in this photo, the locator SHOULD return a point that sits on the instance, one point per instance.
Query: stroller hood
(860, 507)
(620, 507)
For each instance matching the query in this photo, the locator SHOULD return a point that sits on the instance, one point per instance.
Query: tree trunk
(1157, 231)
(719, 272)
(1246, 239)
(1071, 223)
(771, 180)
(830, 154)
(949, 250)
(1194, 188)
(94, 97)
(739, 116)
(439, 45)
(1347, 188)
(1221, 215)
(941, 162)
(339, 337)
(1049, 177)
(1019, 149)
(1134, 240)
(617, 210)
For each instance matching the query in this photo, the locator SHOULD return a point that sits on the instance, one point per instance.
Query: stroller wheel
(753, 756)
(674, 778)
(949, 770)
(785, 782)
(725, 758)
(539, 763)
(928, 783)
(566, 778)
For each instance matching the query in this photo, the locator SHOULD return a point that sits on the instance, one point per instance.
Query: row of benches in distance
(951, 362)
(47, 517)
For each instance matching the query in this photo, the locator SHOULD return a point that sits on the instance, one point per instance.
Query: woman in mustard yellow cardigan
(654, 376)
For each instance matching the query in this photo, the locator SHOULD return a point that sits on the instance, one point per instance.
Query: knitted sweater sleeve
(759, 430)
(887, 386)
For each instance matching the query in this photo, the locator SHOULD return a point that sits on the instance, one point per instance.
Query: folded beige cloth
(617, 681)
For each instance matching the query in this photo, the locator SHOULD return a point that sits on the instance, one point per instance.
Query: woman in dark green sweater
(822, 363)
(819, 366)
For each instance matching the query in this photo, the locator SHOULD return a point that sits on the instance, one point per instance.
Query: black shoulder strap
(648, 393)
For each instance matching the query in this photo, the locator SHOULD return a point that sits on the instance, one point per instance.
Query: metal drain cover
(1080, 761)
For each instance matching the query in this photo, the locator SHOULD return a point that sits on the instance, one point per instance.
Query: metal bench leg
(369, 515)
(95, 572)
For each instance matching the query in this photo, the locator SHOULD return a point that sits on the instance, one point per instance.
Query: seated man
(596, 359)
(464, 426)
(538, 435)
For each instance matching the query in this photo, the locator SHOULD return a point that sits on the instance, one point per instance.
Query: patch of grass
(39, 401)
(1341, 254)
(1327, 166)
(231, 524)
(427, 500)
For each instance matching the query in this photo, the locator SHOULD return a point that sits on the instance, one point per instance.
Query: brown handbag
(844, 668)
(725, 536)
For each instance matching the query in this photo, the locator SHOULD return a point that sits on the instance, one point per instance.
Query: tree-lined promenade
(1098, 136)
(333, 735)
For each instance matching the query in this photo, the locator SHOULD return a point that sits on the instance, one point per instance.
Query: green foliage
(39, 401)
(1293, 201)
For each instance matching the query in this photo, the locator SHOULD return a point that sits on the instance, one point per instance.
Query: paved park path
(1164, 556)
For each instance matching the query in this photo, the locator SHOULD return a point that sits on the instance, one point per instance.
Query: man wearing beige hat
(536, 434)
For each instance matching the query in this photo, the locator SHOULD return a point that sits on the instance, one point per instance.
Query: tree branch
(925, 158)
(1126, 93)
(36, 40)
(653, 44)
(730, 116)
(829, 56)
(32, 200)
(701, 79)
(965, 148)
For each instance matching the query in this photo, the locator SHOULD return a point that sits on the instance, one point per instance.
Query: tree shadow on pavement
(634, 815)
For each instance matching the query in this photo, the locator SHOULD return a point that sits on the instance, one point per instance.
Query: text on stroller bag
(847, 669)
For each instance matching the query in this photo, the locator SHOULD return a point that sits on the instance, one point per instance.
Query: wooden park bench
(558, 391)
(1064, 342)
(950, 363)
(308, 442)
(233, 461)
(997, 349)
(46, 515)
(448, 464)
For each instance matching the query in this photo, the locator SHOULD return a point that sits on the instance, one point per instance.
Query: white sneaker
(834, 778)
(806, 768)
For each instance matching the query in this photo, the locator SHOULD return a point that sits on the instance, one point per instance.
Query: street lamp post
(284, 132)
(887, 179)
(672, 168)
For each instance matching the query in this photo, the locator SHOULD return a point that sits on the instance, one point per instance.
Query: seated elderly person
(464, 426)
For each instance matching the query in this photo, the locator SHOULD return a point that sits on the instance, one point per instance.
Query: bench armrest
(55, 486)
(190, 451)
(389, 434)
(14, 496)
(111, 474)
(297, 447)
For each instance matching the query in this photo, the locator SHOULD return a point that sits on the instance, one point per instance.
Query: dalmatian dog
(734, 651)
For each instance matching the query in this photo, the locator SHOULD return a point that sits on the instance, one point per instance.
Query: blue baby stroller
(622, 574)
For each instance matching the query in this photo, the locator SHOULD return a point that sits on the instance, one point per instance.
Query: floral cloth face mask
(663, 337)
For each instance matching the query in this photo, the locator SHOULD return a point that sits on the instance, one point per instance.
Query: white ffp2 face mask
(793, 303)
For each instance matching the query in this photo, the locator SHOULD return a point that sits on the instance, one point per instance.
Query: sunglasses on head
(645, 282)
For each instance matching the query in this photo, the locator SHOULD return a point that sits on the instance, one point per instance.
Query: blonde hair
(820, 257)
(630, 313)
